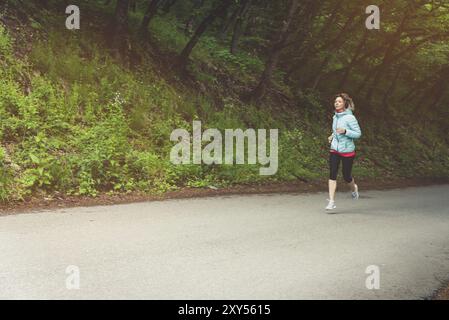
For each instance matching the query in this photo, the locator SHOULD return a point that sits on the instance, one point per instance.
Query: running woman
(345, 129)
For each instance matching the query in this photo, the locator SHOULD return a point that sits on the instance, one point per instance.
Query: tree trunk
(391, 88)
(387, 56)
(415, 89)
(433, 96)
(188, 26)
(273, 59)
(168, 5)
(309, 50)
(185, 54)
(331, 20)
(119, 30)
(357, 52)
(238, 26)
(228, 22)
(149, 14)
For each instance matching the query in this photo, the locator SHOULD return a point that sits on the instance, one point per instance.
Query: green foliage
(5, 43)
(76, 121)
(243, 62)
(301, 155)
(167, 33)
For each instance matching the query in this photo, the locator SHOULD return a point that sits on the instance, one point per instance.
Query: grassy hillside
(76, 121)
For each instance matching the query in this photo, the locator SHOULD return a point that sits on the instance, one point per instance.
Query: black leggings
(334, 161)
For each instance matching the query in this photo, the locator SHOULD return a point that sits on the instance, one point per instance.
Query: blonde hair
(347, 99)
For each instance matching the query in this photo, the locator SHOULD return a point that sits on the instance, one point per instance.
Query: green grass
(74, 121)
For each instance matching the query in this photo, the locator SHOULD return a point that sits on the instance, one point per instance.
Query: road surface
(233, 247)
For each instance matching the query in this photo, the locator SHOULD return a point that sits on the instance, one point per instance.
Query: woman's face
(339, 103)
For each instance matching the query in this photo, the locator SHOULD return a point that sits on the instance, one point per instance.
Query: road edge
(43, 203)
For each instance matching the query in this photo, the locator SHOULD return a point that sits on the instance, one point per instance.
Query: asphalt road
(234, 247)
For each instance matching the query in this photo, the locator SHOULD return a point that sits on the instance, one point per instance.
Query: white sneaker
(331, 205)
(355, 194)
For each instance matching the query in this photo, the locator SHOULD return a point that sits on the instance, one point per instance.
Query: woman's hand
(341, 130)
(330, 138)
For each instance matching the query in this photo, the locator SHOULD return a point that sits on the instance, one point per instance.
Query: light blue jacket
(345, 142)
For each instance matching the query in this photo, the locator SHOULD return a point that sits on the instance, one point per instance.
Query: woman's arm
(354, 131)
